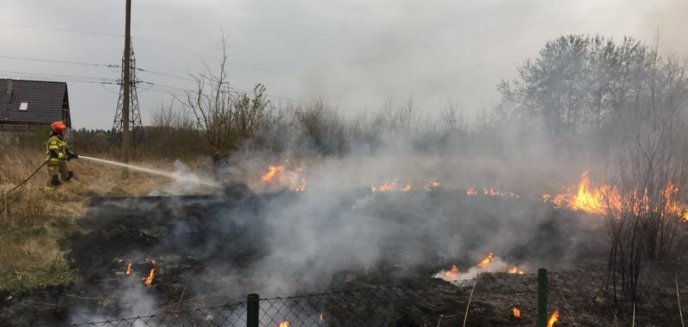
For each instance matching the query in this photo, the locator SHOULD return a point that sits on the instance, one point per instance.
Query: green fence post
(252, 308)
(542, 298)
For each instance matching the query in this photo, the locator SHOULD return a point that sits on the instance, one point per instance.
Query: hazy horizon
(355, 55)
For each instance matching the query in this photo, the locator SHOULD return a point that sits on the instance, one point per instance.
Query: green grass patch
(31, 258)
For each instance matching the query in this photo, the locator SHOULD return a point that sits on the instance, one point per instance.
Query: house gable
(24, 102)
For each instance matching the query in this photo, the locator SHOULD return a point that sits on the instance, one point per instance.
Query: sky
(356, 55)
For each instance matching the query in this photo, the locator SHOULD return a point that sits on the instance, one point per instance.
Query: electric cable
(60, 61)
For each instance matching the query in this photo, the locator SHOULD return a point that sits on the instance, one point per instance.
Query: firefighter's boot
(68, 177)
(53, 182)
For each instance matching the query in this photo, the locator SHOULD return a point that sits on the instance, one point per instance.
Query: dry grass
(33, 221)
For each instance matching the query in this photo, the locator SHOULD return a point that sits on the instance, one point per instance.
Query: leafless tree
(651, 164)
(226, 118)
(628, 105)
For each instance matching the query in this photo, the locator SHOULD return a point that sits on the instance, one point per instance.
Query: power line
(235, 89)
(108, 90)
(75, 78)
(171, 47)
(111, 66)
(59, 29)
(231, 61)
(165, 74)
(60, 61)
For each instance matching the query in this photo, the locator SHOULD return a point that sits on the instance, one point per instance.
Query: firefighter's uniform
(58, 152)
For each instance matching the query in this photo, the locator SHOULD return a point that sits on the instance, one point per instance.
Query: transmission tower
(134, 113)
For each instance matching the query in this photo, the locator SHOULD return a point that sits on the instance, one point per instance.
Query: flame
(128, 271)
(321, 318)
(432, 185)
(151, 276)
(605, 199)
(385, 187)
(553, 318)
(391, 187)
(515, 270)
(486, 260)
(471, 192)
(596, 200)
(284, 323)
(281, 176)
(452, 273)
(272, 173)
(516, 312)
(491, 191)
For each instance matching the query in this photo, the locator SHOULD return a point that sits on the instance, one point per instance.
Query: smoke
(132, 300)
(187, 181)
(306, 241)
(496, 264)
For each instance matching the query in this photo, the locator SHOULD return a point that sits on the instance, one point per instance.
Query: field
(34, 221)
(391, 218)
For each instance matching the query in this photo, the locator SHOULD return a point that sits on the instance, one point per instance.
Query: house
(25, 104)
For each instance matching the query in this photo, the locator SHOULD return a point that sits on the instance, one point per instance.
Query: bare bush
(651, 161)
(226, 120)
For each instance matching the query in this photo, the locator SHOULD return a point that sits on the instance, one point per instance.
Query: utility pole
(126, 84)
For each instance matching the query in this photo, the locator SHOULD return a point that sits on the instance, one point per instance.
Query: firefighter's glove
(72, 155)
(54, 154)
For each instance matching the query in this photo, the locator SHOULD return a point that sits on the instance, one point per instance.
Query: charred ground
(211, 250)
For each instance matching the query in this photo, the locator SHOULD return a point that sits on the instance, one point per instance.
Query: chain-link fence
(226, 315)
(580, 298)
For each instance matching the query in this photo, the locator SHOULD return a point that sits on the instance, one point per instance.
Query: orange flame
(387, 187)
(515, 270)
(432, 185)
(516, 312)
(284, 323)
(491, 191)
(596, 200)
(553, 318)
(471, 192)
(129, 269)
(272, 173)
(486, 260)
(391, 187)
(452, 273)
(281, 176)
(151, 276)
(604, 199)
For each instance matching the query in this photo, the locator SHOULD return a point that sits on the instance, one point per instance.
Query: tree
(577, 86)
(629, 105)
(225, 117)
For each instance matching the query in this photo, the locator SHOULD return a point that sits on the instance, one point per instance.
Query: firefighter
(58, 152)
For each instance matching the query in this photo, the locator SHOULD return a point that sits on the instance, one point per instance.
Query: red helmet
(58, 126)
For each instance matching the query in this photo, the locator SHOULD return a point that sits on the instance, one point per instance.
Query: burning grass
(605, 199)
(33, 221)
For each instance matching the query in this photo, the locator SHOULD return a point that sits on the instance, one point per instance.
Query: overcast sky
(354, 54)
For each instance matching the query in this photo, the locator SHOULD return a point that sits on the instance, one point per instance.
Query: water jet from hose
(176, 176)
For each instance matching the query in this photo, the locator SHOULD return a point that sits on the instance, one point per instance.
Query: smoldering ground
(215, 249)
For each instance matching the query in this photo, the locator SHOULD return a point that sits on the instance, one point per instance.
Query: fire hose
(26, 180)
(134, 167)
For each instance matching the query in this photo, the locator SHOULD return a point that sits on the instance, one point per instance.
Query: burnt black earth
(216, 249)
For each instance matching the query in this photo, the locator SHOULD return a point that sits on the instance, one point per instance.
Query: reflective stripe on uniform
(57, 145)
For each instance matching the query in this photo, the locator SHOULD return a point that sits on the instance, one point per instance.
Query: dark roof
(47, 102)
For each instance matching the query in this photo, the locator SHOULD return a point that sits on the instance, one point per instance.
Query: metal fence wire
(491, 299)
(226, 315)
